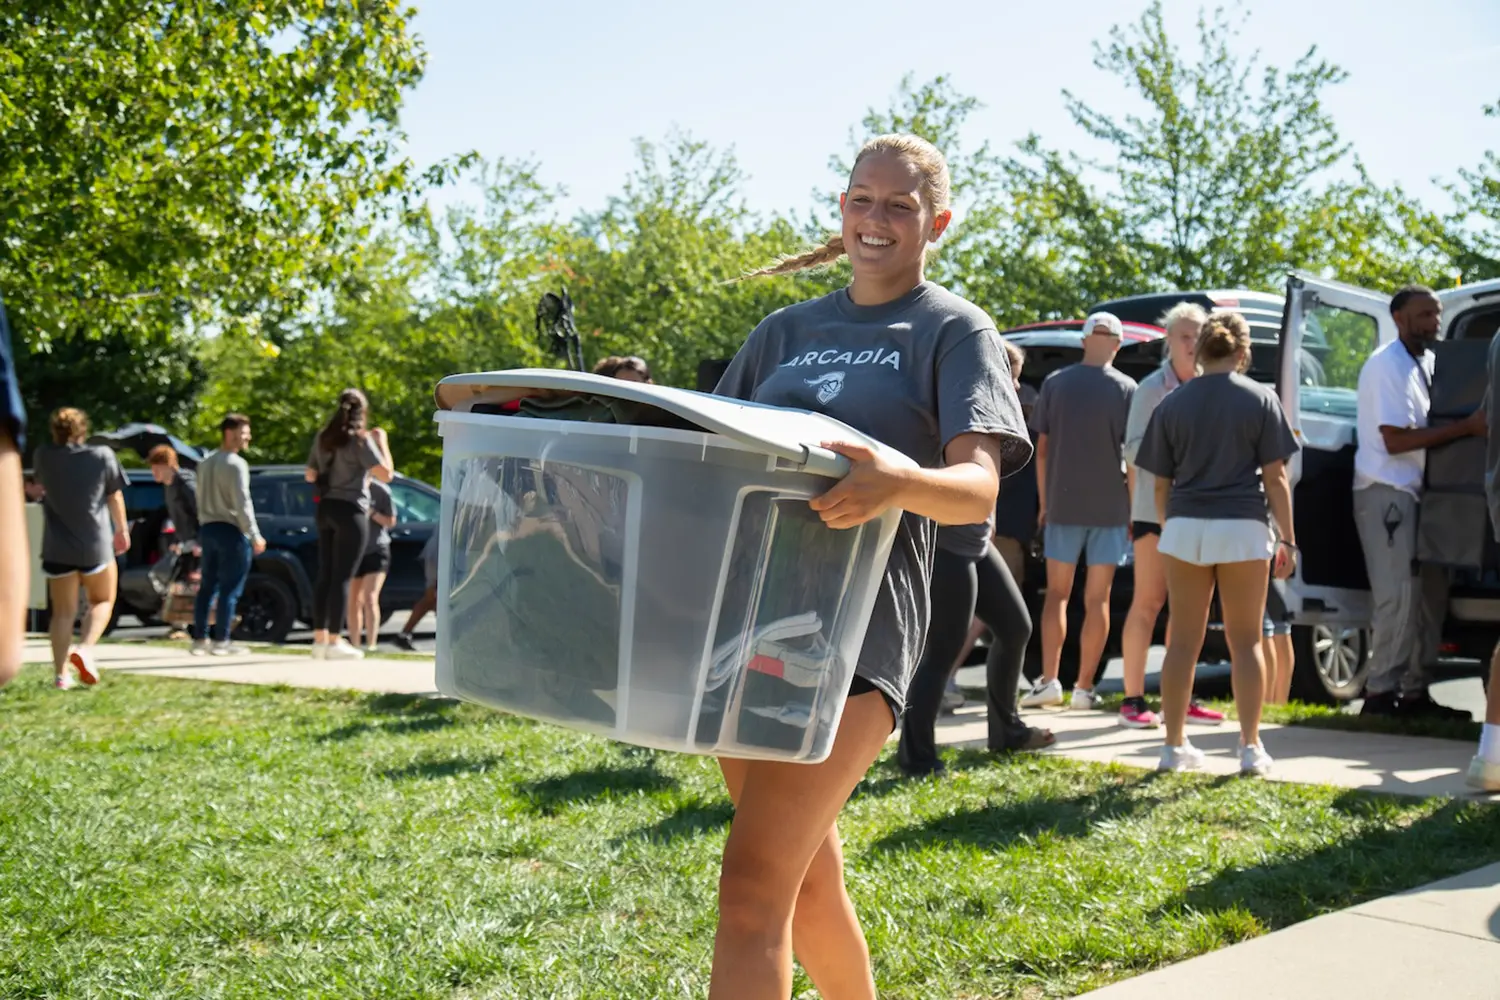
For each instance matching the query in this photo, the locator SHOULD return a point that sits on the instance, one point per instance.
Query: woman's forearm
(1279, 499)
(956, 494)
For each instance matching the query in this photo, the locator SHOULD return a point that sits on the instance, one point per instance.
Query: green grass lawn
(164, 838)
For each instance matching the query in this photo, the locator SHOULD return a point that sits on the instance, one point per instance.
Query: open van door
(1328, 331)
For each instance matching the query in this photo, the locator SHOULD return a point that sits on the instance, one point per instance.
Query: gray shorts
(1278, 621)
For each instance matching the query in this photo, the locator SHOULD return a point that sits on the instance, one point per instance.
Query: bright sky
(571, 83)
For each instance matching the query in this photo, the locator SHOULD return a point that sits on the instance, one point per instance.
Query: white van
(1331, 328)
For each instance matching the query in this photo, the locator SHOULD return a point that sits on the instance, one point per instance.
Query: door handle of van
(296, 531)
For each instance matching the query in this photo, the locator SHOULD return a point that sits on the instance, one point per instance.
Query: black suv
(278, 593)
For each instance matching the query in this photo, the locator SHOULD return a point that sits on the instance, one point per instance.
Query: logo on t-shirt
(828, 386)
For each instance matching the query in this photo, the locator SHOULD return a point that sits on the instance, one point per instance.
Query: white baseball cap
(1109, 321)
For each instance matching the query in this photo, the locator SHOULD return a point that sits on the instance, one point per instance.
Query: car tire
(1331, 663)
(267, 610)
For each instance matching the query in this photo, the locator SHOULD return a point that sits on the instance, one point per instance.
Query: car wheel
(267, 610)
(1331, 662)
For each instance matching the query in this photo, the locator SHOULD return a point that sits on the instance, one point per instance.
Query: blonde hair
(935, 195)
(1223, 334)
(1183, 311)
(69, 424)
(1017, 358)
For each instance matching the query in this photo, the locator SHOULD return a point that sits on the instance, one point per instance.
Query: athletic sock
(1489, 743)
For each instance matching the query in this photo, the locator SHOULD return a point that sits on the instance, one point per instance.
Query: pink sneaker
(1136, 714)
(1202, 714)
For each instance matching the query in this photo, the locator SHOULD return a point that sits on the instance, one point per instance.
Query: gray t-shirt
(346, 469)
(380, 503)
(1148, 396)
(914, 374)
(78, 478)
(1211, 437)
(1083, 410)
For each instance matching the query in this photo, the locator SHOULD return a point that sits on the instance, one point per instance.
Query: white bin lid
(791, 435)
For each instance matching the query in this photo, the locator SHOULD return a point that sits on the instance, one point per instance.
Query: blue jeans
(225, 567)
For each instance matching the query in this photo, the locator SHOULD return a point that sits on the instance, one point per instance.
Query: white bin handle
(822, 462)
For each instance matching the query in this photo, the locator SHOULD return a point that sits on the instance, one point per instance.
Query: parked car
(278, 593)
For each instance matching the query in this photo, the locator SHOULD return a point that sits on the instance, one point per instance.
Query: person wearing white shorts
(1218, 447)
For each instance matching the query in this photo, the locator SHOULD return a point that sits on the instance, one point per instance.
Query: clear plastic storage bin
(668, 588)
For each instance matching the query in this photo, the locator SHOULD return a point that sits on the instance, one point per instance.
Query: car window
(413, 504)
(1335, 344)
(265, 497)
(298, 497)
(143, 497)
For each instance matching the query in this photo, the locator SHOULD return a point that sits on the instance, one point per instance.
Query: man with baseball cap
(1083, 487)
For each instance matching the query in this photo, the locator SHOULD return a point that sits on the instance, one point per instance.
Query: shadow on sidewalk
(1456, 838)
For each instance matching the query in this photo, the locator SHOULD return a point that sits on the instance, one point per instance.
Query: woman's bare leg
(1190, 589)
(826, 936)
(64, 593)
(1145, 608)
(1242, 598)
(784, 819)
(1286, 662)
(354, 610)
(374, 584)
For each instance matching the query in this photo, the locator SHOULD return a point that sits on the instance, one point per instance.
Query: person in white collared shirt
(1395, 386)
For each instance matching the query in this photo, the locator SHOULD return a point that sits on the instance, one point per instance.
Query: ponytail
(819, 256)
(348, 420)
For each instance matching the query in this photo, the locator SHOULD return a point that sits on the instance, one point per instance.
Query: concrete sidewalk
(1440, 940)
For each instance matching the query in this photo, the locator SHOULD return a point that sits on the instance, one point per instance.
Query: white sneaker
(371, 648)
(1254, 760)
(227, 648)
(341, 650)
(1184, 758)
(83, 662)
(1083, 700)
(64, 681)
(1484, 775)
(320, 651)
(200, 647)
(1042, 694)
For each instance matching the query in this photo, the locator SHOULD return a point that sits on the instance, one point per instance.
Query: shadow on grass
(690, 820)
(1456, 838)
(1000, 825)
(400, 727)
(434, 769)
(406, 704)
(548, 795)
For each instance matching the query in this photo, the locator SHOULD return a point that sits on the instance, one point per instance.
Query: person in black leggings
(343, 458)
(963, 588)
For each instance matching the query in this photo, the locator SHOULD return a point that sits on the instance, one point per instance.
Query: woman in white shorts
(1219, 446)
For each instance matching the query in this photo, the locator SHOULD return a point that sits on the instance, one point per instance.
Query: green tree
(653, 271)
(1474, 227)
(171, 166)
(1218, 171)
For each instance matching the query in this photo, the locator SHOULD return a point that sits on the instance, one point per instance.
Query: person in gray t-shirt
(1484, 769)
(343, 458)
(83, 529)
(1219, 446)
(1084, 492)
(920, 370)
(369, 575)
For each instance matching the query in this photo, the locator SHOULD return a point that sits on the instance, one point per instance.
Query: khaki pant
(1410, 601)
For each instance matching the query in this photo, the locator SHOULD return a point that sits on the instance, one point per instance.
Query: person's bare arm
(1399, 440)
(1040, 458)
(15, 559)
(384, 520)
(1163, 493)
(116, 501)
(1279, 498)
(962, 492)
(385, 471)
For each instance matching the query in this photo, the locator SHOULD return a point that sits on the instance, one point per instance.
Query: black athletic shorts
(861, 686)
(50, 568)
(378, 561)
(1140, 529)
